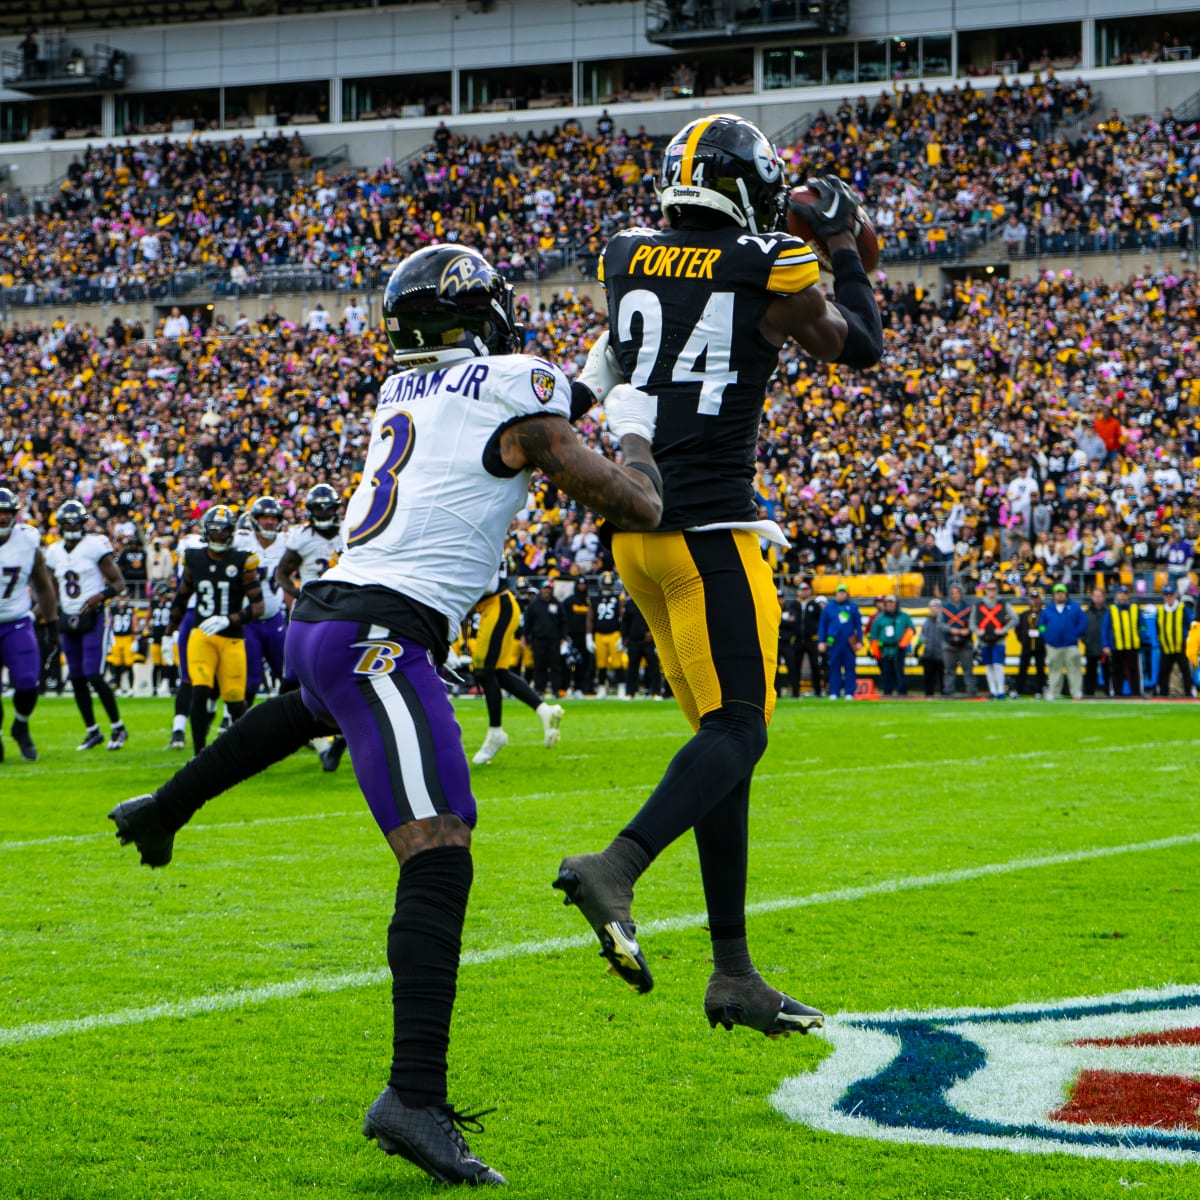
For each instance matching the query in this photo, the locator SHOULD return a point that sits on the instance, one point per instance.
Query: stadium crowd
(940, 170)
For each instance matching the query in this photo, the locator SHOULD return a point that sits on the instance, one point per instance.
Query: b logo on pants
(377, 658)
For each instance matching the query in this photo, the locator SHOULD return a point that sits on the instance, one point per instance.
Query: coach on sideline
(1064, 623)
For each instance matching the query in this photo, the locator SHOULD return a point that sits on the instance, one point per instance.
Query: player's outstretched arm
(629, 495)
(44, 591)
(848, 331)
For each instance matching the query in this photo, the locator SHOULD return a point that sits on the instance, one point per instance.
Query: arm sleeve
(855, 299)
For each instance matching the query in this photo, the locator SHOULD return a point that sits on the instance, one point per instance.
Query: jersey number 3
(711, 339)
(398, 435)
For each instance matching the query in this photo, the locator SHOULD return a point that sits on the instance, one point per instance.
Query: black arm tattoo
(626, 497)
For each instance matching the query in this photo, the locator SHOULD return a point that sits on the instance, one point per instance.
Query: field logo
(1110, 1077)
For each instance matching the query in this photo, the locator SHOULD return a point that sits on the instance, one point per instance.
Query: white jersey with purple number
(77, 569)
(189, 541)
(435, 502)
(270, 554)
(316, 552)
(17, 556)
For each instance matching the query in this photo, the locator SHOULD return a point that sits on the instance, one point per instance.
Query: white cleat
(551, 715)
(495, 741)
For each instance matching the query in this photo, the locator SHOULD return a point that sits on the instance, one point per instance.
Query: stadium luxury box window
(873, 61)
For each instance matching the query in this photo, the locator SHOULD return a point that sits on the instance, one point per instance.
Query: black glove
(837, 211)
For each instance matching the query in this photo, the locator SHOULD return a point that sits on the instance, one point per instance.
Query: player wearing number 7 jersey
(456, 437)
(698, 313)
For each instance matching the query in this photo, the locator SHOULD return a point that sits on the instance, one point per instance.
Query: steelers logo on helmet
(727, 165)
(217, 528)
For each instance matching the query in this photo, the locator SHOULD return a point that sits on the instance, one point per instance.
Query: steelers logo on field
(542, 382)
(1107, 1077)
(465, 273)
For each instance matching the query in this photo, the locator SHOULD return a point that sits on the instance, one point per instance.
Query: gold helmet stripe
(689, 151)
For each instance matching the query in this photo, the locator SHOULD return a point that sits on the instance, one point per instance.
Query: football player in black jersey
(606, 630)
(162, 648)
(499, 616)
(228, 597)
(698, 312)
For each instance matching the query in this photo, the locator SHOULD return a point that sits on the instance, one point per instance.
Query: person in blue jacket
(1064, 623)
(839, 636)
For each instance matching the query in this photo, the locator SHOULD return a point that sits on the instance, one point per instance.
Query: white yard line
(244, 997)
(1055, 756)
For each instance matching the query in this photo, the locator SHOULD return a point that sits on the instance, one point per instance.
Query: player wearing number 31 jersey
(225, 583)
(698, 313)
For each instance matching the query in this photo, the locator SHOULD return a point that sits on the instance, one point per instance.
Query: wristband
(650, 473)
(582, 400)
(855, 300)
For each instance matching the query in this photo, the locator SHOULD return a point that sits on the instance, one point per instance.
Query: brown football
(864, 233)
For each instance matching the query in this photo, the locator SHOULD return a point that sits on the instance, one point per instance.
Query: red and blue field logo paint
(1110, 1077)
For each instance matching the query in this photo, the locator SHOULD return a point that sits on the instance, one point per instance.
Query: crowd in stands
(941, 171)
(1036, 429)
(1030, 431)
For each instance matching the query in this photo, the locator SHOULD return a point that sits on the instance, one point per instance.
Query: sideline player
(183, 694)
(698, 313)
(22, 567)
(162, 645)
(264, 637)
(499, 616)
(606, 626)
(122, 654)
(224, 581)
(87, 576)
(454, 440)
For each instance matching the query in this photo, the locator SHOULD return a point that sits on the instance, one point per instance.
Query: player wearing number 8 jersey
(87, 577)
(225, 583)
(697, 314)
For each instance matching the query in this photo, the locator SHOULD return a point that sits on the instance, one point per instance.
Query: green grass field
(216, 1029)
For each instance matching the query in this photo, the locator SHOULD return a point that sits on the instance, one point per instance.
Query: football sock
(83, 701)
(518, 689)
(24, 702)
(183, 704)
(235, 708)
(267, 734)
(200, 716)
(107, 699)
(722, 843)
(251, 693)
(731, 955)
(490, 686)
(423, 947)
(716, 759)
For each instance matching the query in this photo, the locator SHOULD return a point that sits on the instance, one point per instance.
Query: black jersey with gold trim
(685, 306)
(222, 585)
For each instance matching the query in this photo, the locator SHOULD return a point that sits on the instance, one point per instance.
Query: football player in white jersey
(88, 577)
(455, 439)
(264, 637)
(22, 567)
(183, 693)
(312, 546)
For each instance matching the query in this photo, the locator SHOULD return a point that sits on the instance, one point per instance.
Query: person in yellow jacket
(1122, 637)
(1175, 619)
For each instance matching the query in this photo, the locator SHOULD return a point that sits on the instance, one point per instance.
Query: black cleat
(332, 757)
(120, 735)
(138, 821)
(93, 739)
(178, 741)
(20, 733)
(605, 898)
(429, 1138)
(749, 1000)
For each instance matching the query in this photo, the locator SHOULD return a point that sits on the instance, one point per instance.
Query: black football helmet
(448, 298)
(265, 516)
(71, 519)
(608, 582)
(321, 504)
(9, 508)
(162, 589)
(217, 528)
(726, 164)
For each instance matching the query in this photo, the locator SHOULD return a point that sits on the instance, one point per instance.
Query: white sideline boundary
(1055, 758)
(18, 1035)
